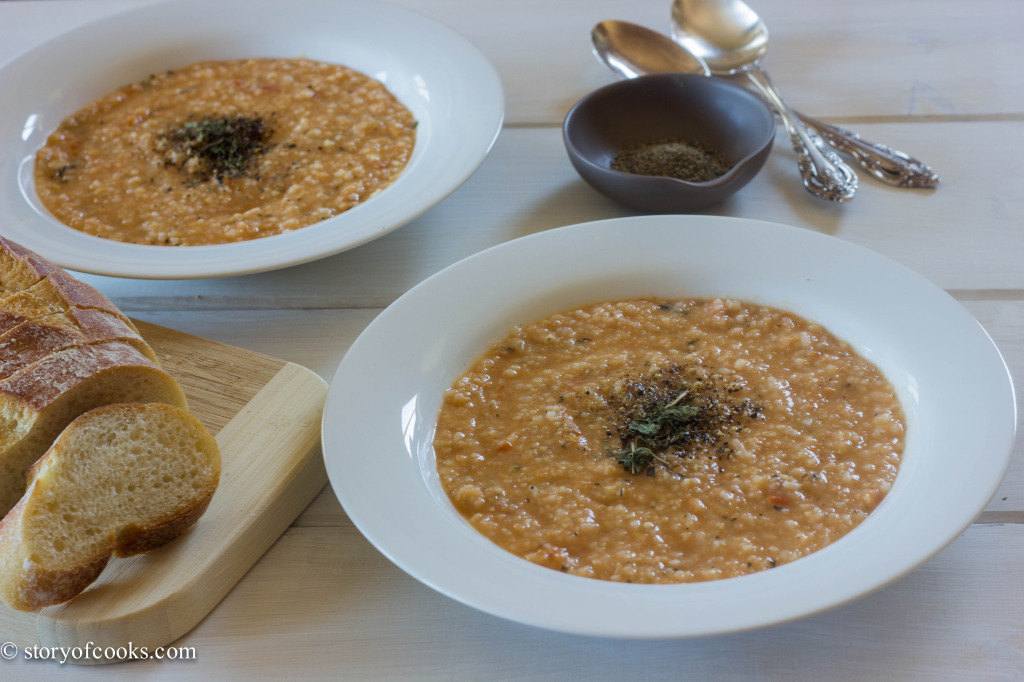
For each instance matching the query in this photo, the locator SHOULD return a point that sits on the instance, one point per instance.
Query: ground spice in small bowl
(689, 161)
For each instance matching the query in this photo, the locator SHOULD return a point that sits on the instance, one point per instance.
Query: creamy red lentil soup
(224, 151)
(666, 441)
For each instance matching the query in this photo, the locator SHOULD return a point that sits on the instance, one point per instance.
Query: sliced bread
(120, 480)
(38, 402)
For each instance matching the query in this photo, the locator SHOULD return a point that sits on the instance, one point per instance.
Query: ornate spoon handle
(824, 174)
(885, 163)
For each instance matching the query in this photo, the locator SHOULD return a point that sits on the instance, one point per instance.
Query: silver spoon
(631, 50)
(731, 38)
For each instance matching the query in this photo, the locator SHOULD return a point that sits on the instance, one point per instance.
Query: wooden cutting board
(265, 414)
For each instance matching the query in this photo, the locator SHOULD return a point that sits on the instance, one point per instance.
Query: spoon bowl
(727, 36)
(631, 50)
(698, 109)
(731, 39)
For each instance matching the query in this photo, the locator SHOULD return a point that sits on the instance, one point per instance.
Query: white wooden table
(939, 79)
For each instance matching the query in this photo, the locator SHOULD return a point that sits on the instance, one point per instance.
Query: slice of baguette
(120, 480)
(33, 340)
(38, 402)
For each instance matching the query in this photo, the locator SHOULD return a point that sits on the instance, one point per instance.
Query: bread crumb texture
(121, 479)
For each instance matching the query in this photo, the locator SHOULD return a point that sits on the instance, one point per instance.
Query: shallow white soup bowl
(452, 90)
(383, 403)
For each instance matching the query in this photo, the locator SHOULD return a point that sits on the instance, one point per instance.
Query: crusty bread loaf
(120, 480)
(37, 402)
(32, 340)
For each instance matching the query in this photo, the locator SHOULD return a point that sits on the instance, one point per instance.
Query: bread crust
(21, 268)
(33, 340)
(30, 578)
(26, 586)
(40, 384)
(9, 321)
(141, 539)
(56, 293)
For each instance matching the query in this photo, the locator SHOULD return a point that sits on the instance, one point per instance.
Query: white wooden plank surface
(956, 619)
(866, 59)
(939, 79)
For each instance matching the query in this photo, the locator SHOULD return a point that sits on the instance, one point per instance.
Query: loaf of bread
(85, 408)
(120, 480)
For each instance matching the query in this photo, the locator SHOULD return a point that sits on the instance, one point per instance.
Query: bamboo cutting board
(265, 414)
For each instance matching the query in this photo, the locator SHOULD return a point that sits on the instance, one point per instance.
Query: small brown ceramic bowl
(696, 109)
